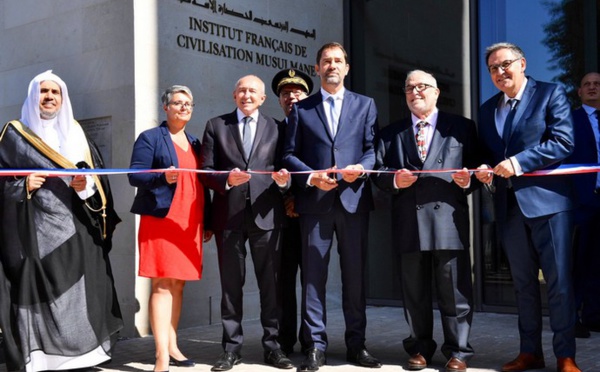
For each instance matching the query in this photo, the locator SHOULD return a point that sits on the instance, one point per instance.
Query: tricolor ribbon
(561, 170)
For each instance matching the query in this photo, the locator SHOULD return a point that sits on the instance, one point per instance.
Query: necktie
(333, 115)
(247, 137)
(421, 140)
(597, 115)
(509, 118)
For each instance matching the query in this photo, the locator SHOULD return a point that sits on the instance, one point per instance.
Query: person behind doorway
(333, 129)
(587, 215)
(430, 218)
(526, 127)
(173, 206)
(247, 208)
(58, 304)
(290, 86)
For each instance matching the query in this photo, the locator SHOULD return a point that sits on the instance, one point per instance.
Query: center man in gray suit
(430, 218)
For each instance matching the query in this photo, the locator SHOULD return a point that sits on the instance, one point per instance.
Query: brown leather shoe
(456, 365)
(566, 365)
(416, 362)
(523, 362)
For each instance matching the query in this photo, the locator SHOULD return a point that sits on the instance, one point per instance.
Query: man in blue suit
(329, 131)
(587, 216)
(534, 214)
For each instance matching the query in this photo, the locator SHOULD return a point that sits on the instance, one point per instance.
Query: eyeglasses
(289, 93)
(419, 87)
(504, 66)
(186, 105)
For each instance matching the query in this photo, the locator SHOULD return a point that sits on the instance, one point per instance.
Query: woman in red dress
(172, 206)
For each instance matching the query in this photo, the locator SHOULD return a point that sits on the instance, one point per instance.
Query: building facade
(117, 56)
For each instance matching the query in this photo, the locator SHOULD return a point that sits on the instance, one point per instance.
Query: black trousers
(450, 272)
(266, 256)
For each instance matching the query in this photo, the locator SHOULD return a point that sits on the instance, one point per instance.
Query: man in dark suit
(290, 86)
(430, 219)
(534, 214)
(246, 208)
(587, 215)
(330, 131)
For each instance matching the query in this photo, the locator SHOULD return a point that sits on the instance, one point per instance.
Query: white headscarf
(71, 139)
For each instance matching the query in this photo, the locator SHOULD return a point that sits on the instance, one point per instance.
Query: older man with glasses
(430, 219)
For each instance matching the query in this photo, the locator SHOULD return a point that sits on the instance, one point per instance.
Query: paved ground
(494, 337)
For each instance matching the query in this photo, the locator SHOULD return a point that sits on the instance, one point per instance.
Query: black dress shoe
(363, 358)
(226, 361)
(181, 363)
(315, 358)
(278, 359)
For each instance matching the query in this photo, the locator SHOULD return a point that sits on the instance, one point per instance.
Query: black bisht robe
(56, 285)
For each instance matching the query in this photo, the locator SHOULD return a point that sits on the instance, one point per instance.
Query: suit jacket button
(439, 160)
(437, 206)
